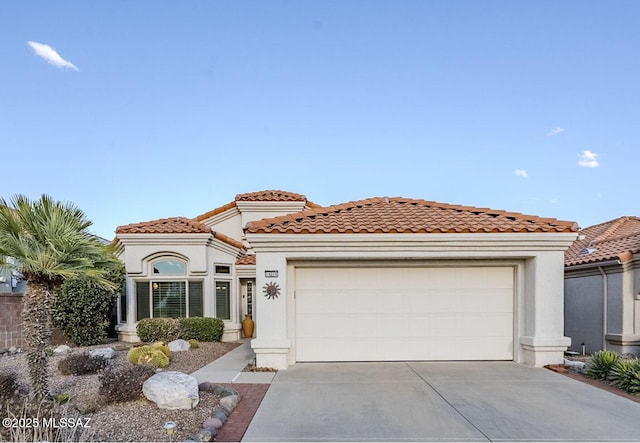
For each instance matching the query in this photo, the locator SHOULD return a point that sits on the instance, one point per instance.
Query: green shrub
(634, 382)
(201, 328)
(155, 358)
(81, 364)
(194, 343)
(623, 373)
(124, 384)
(158, 329)
(82, 308)
(134, 353)
(601, 364)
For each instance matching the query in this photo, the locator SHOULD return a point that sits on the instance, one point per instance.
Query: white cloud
(588, 159)
(521, 173)
(555, 131)
(51, 55)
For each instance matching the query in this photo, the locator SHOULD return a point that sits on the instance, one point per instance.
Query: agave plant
(601, 364)
(623, 373)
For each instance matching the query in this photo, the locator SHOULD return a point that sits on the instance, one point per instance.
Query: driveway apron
(438, 401)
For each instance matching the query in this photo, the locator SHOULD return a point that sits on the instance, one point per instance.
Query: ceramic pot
(247, 326)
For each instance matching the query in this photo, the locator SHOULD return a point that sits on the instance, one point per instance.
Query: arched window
(169, 292)
(169, 267)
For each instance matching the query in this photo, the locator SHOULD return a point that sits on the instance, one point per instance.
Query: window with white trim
(168, 296)
(223, 291)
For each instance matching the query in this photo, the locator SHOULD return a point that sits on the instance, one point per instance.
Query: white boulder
(172, 390)
(106, 353)
(179, 345)
(62, 350)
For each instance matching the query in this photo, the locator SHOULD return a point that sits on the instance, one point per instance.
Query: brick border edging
(252, 395)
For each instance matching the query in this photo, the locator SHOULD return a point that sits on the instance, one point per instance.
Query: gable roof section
(172, 225)
(404, 215)
(615, 239)
(265, 196)
(176, 225)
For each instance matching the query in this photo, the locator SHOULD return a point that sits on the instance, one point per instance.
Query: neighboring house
(602, 287)
(372, 280)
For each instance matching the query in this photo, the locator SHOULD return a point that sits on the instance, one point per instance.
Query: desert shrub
(623, 373)
(8, 385)
(134, 353)
(81, 364)
(162, 346)
(201, 328)
(194, 343)
(82, 308)
(634, 382)
(124, 384)
(158, 329)
(154, 358)
(601, 364)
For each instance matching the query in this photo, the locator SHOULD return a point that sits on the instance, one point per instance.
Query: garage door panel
(369, 314)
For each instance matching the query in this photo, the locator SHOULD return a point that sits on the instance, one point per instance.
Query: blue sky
(142, 110)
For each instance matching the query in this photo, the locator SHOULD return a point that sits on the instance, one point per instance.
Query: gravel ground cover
(139, 420)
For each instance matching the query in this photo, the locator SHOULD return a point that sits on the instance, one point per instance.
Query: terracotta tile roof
(615, 239)
(215, 211)
(404, 215)
(267, 195)
(246, 260)
(172, 225)
(176, 225)
(271, 195)
(228, 240)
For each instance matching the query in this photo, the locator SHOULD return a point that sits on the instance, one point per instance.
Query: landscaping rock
(106, 353)
(204, 435)
(574, 364)
(179, 345)
(171, 390)
(13, 350)
(61, 350)
(223, 391)
(229, 402)
(220, 413)
(212, 422)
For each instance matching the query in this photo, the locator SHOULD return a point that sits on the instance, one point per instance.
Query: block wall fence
(11, 320)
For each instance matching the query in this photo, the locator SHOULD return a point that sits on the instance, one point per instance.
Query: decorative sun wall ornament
(271, 290)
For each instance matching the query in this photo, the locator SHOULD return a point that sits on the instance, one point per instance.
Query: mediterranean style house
(602, 287)
(380, 279)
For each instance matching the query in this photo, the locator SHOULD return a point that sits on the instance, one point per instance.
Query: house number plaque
(271, 274)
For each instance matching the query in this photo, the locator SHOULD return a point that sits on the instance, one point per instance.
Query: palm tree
(48, 242)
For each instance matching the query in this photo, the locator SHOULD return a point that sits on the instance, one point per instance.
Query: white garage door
(392, 314)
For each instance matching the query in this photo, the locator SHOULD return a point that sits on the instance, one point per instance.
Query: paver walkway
(252, 386)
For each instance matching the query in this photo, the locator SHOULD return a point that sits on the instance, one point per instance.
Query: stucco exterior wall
(583, 312)
(539, 259)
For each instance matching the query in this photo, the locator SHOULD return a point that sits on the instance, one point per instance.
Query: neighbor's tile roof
(265, 196)
(271, 195)
(172, 225)
(404, 215)
(615, 239)
(246, 260)
(175, 225)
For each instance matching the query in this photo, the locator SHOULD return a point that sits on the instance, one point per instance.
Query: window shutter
(195, 299)
(142, 300)
(223, 308)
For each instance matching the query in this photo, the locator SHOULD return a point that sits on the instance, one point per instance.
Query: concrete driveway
(438, 401)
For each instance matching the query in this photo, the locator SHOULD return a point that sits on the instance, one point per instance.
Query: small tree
(49, 242)
(83, 307)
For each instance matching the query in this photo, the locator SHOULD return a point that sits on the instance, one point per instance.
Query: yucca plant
(623, 372)
(601, 364)
(47, 242)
